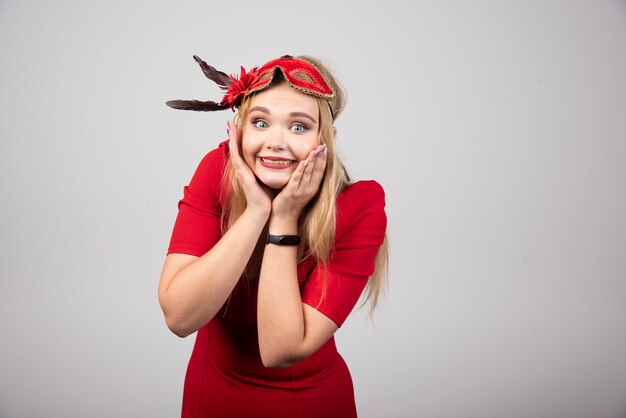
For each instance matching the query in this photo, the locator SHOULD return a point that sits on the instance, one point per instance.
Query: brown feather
(221, 79)
(197, 105)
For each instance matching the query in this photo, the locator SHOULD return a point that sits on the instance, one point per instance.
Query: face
(281, 129)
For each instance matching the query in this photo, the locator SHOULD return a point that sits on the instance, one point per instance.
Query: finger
(309, 165)
(243, 172)
(233, 144)
(232, 136)
(318, 166)
(296, 176)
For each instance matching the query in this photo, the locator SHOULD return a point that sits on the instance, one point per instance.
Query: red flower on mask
(238, 87)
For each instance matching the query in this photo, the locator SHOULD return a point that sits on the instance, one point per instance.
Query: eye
(299, 127)
(259, 123)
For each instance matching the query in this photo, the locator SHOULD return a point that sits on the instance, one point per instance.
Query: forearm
(280, 315)
(197, 292)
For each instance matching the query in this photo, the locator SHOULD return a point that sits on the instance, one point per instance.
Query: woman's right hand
(257, 199)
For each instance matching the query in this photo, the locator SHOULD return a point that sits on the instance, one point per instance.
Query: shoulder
(365, 192)
(215, 160)
(209, 175)
(361, 209)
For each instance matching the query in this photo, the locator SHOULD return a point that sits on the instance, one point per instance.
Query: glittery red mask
(299, 74)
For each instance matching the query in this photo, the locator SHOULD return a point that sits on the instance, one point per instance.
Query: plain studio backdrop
(497, 128)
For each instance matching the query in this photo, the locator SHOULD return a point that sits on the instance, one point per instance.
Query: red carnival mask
(299, 74)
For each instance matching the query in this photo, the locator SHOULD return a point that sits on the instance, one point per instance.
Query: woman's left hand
(302, 186)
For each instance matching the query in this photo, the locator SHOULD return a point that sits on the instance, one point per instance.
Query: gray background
(496, 127)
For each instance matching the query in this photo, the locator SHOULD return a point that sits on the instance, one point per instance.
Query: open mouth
(272, 162)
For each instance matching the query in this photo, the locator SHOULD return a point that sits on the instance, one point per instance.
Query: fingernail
(306, 162)
(321, 150)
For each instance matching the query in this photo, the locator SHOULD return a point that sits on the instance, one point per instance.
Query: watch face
(289, 240)
(283, 239)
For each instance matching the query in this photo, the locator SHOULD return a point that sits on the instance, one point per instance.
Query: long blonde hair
(317, 228)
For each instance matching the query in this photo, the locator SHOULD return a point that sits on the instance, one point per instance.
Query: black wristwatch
(282, 239)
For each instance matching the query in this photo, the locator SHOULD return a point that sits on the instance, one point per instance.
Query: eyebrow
(260, 109)
(292, 114)
(304, 115)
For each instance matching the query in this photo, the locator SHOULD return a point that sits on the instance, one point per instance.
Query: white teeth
(281, 162)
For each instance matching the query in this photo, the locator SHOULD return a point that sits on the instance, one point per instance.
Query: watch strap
(282, 239)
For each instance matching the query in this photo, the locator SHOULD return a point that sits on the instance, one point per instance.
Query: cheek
(247, 149)
(302, 153)
(303, 148)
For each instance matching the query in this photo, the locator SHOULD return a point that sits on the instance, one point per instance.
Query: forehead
(282, 97)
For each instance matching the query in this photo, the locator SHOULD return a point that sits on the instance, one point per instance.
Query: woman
(271, 250)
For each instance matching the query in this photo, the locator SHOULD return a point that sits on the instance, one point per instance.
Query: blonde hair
(318, 224)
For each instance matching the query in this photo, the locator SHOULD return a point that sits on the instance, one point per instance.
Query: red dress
(225, 376)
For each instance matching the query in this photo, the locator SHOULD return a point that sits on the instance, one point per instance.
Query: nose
(276, 140)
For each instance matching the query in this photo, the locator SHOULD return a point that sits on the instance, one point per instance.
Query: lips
(276, 162)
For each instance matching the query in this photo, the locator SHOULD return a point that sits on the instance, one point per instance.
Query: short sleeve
(198, 223)
(360, 231)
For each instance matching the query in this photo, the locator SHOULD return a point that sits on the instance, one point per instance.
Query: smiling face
(281, 128)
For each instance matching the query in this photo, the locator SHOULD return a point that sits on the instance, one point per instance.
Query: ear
(334, 131)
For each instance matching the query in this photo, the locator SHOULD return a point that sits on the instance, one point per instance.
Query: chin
(274, 183)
